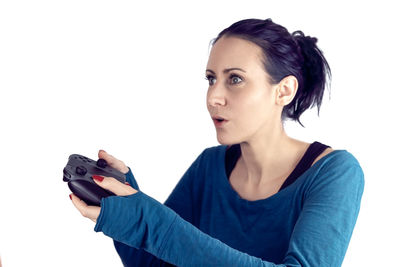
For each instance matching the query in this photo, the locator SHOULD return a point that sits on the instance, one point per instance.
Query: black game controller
(78, 173)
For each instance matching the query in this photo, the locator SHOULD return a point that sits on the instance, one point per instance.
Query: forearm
(131, 256)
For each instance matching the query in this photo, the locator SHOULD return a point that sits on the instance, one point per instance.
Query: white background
(79, 76)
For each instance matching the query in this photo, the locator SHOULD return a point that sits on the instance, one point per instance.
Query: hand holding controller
(78, 173)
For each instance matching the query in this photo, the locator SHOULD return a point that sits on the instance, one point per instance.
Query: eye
(235, 77)
(208, 77)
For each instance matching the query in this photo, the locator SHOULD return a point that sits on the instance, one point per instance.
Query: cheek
(254, 117)
(254, 110)
(207, 101)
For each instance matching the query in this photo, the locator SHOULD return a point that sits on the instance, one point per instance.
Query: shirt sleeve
(180, 200)
(131, 256)
(330, 209)
(320, 237)
(131, 179)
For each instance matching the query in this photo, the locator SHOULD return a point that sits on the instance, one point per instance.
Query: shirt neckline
(272, 198)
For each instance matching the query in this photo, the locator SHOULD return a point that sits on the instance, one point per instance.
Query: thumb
(113, 162)
(104, 155)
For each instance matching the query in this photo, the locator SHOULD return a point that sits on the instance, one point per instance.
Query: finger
(113, 162)
(113, 185)
(108, 157)
(91, 212)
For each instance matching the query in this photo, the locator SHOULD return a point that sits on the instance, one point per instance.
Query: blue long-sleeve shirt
(204, 222)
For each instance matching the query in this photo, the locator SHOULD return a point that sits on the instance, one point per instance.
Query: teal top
(205, 222)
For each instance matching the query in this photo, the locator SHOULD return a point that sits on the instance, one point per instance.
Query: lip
(217, 117)
(219, 123)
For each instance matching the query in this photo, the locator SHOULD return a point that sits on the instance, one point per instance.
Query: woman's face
(244, 98)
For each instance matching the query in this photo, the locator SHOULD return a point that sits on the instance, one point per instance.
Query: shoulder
(339, 157)
(323, 154)
(338, 169)
(338, 162)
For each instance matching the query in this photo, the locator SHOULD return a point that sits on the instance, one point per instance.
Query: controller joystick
(101, 163)
(78, 174)
(81, 170)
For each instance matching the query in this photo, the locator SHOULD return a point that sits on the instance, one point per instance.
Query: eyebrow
(226, 70)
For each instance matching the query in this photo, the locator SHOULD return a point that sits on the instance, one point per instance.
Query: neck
(270, 158)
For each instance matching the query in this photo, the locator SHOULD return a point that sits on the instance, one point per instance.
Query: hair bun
(316, 71)
(299, 37)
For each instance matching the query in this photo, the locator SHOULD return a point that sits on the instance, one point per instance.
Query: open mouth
(219, 122)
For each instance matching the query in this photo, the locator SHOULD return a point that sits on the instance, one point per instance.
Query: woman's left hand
(109, 183)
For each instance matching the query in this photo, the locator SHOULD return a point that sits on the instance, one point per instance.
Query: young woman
(261, 198)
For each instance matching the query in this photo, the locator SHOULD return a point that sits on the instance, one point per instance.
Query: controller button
(67, 176)
(80, 170)
(101, 163)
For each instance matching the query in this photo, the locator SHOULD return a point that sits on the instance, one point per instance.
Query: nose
(216, 96)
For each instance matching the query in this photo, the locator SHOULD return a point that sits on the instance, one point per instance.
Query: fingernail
(98, 178)
(127, 183)
(70, 196)
(103, 150)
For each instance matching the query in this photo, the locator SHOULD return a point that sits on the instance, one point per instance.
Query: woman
(261, 198)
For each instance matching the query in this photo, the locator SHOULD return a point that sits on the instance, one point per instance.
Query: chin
(225, 140)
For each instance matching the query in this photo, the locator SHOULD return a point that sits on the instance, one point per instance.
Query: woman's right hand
(113, 162)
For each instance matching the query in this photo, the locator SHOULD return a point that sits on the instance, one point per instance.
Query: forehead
(234, 52)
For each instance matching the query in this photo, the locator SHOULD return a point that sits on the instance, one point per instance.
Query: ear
(286, 90)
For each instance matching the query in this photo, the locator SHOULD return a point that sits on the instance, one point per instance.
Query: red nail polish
(127, 183)
(98, 178)
(70, 196)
